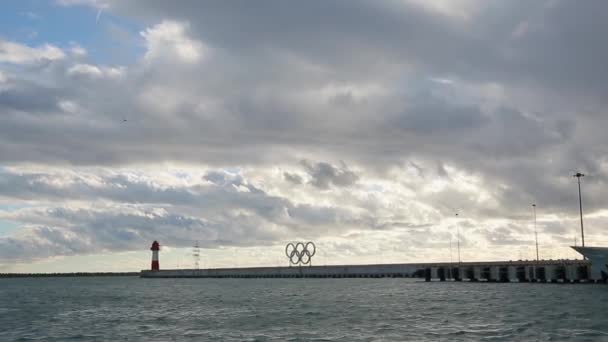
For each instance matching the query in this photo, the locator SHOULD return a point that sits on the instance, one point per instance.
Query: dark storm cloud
(503, 236)
(293, 178)
(73, 232)
(429, 115)
(323, 175)
(29, 98)
(130, 213)
(264, 112)
(119, 189)
(441, 171)
(556, 43)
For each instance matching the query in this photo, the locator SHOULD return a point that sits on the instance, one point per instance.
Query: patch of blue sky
(7, 227)
(109, 40)
(182, 175)
(11, 207)
(233, 170)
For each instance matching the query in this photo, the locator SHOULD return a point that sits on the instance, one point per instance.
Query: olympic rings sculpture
(300, 253)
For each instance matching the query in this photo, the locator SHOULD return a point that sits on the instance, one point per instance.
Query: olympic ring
(300, 252)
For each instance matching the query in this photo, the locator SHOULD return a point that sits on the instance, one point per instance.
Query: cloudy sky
(364, 126)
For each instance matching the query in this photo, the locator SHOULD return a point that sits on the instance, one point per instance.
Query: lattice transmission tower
(196, 254)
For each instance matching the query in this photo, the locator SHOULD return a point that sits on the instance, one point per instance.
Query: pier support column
(534, 274)
(494, 274)
(541, 274)
(441, 273)
(582, 273)
(456, 274)
(477, 272)
(486, 273)
(469, 273)
(550, 273)
(572, 274)
(522, 275)
(530, 273)
(512, 273)
(560, 273)
(503, 274)
(434, 272)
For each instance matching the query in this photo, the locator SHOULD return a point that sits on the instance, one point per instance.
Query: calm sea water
(133, 309)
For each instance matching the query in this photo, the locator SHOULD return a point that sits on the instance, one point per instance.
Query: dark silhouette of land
(74, 274)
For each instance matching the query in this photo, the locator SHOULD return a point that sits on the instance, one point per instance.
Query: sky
(364, 126)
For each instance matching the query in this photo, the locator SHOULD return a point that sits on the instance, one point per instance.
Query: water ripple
(93, 309)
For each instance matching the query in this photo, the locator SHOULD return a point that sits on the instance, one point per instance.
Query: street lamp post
(458, 239)
(535, 232)
(578, 176)
(451, 262)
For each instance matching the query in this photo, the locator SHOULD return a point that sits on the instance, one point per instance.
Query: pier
(593, 269)
(553, 271)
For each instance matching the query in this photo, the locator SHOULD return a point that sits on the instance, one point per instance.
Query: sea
(386, 309)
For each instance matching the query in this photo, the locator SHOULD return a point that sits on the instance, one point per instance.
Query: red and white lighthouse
(155, 248)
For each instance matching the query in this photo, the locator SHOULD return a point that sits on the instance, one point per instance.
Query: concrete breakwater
(594, 268)
(334, 271)
(507, 271)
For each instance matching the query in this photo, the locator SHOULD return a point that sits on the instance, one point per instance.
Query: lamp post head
(578, 175)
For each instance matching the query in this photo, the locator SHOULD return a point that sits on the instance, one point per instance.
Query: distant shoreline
(73, 274)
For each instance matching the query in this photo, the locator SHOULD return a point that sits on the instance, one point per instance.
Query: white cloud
(95, 71)
(442, 80)
(114, 72)
(93, 3)
(85, 69)
(16, 53)
(32, 15)
(169, 40)
(78, 50)
(462, 9)
(68, 106)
